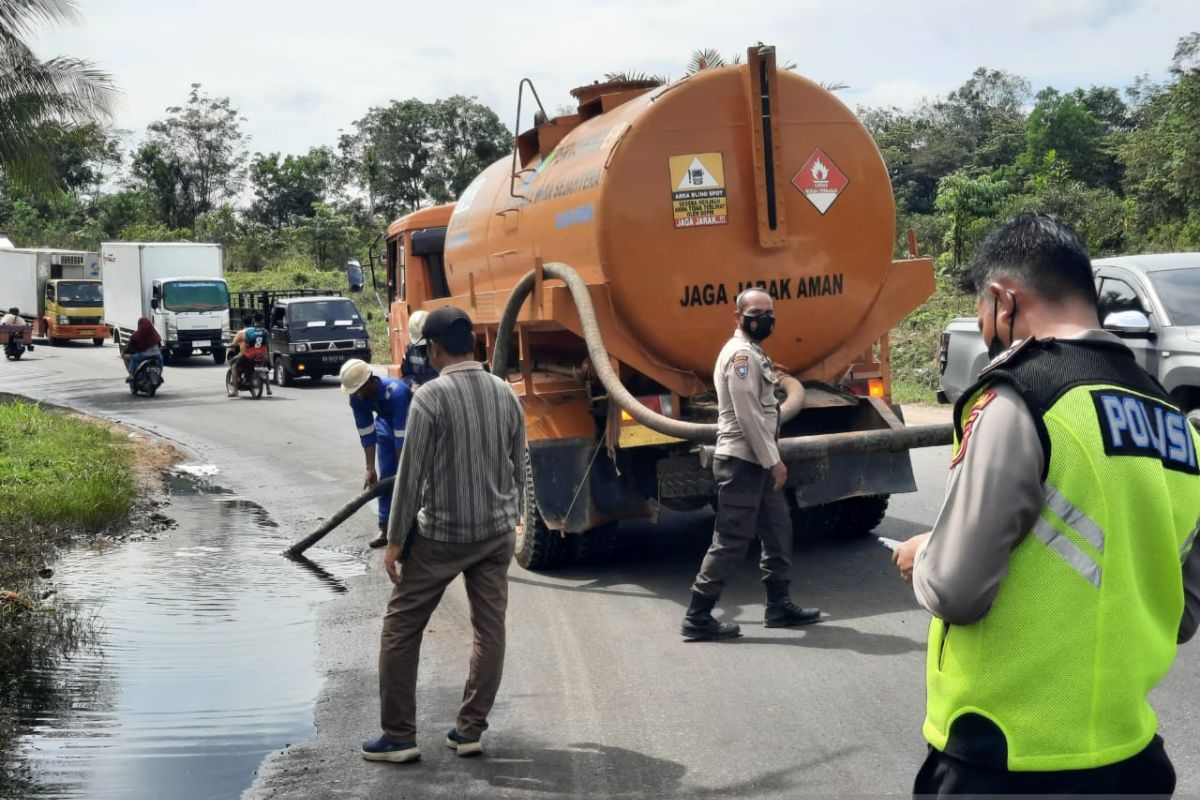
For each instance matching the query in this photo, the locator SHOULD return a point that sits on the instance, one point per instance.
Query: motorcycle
(253, 380)
(16, 345)
(146, 378)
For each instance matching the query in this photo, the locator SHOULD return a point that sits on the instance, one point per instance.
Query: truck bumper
(80, 332)
(321, 362)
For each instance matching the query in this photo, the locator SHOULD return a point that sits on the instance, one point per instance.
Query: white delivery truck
(57, 291)
(178, 286)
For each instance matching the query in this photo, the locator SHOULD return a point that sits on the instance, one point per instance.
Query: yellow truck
(57, 291)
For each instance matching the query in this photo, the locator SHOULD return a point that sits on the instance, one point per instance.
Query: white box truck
(178, 286)
(57, 291)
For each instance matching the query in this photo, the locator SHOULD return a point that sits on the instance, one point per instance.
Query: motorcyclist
(13, 317)
(249, 343)
(144, 344)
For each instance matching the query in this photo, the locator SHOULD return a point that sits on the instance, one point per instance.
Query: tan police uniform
(747, 434)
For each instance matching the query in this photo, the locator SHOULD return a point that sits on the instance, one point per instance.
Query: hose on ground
(341, 515)
(680, 429)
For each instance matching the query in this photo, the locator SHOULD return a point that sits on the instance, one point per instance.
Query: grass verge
(60, 477)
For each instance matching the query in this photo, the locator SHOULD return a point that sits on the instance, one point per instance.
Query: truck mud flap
(578, 487)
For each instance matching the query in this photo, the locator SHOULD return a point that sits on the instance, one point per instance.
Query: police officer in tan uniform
(750, 478)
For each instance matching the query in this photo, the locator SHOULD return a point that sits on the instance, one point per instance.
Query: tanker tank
(618, 239)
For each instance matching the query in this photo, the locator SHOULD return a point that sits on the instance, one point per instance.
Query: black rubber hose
(341, 515)
(691, 431)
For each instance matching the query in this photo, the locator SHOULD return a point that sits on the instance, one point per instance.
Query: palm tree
(33, 92)
(709, 58)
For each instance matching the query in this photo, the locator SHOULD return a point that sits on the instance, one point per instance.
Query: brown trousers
(424, 576)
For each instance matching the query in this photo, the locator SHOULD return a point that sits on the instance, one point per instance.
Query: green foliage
(34, 94)
(914, 343)
(289, 188)
(191, 160)
(969, 205)
(409, 153)
(58, 470)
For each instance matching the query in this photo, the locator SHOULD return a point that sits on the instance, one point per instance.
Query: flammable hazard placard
(698, 190)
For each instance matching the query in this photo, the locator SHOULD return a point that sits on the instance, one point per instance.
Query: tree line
(1120, 164)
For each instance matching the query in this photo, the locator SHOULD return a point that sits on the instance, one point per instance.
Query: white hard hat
(354, 374)
(416, 326)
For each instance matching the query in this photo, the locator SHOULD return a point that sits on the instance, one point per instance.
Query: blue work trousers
(388, 459)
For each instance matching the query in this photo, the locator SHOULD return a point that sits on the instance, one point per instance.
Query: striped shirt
(462, 470)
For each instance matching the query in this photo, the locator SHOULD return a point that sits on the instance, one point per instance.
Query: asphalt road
(600, 697)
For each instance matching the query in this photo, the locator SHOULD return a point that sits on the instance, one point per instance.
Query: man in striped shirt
(455, 509)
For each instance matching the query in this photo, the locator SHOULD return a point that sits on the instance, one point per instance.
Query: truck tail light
(866, 387)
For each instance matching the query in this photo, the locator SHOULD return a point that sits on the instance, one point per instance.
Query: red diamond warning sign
(820, 180)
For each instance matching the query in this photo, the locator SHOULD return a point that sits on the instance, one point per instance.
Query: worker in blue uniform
(380, 407)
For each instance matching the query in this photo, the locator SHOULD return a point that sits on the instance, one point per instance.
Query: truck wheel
(858, 516)
(98, 342)
(218, 354)
(282, 378)
(814, 522)
(54, 342)
(597, 546)
(538, 547)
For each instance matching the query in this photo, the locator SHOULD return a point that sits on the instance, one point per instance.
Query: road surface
(600, 698)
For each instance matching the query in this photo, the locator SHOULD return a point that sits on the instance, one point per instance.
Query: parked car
(1151, 301)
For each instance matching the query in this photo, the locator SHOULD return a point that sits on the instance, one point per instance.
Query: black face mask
(760, 327)
(995, 346)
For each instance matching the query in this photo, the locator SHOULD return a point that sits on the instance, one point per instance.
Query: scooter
(146, 378)
(253, 380)
(15, 347)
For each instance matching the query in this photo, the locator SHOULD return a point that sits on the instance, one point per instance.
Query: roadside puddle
(203, 660)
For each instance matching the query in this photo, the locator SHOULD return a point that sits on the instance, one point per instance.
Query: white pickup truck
(1151, 301)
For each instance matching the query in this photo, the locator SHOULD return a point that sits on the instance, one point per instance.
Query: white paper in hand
(890, 544)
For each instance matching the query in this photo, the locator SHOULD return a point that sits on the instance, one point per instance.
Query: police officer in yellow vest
(1061, 572)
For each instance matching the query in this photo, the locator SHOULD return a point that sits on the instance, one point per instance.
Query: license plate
(332, 359)
(85, 333)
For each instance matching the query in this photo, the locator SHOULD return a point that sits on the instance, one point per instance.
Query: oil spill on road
(204, 659)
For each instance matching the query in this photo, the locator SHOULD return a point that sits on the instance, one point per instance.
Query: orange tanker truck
(601, 262)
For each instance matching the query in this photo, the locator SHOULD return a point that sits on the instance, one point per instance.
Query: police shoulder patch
(969, 426)
(741, 365)
(1134, 425)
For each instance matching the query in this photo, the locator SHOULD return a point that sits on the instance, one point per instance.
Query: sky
(300, 71)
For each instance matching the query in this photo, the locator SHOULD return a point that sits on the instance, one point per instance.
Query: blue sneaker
(462, 745)
(384, 749)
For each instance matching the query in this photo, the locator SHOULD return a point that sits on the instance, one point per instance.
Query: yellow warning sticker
(698, 190)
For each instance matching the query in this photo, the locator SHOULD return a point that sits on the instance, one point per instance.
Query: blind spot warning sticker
(698, 190)
(820, 180)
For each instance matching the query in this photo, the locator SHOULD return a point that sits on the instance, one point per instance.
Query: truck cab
(73, 309)
(191, 314)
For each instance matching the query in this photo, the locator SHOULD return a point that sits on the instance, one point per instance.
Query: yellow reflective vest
(1056, 674)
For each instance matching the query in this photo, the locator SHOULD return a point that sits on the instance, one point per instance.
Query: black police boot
(782, 612)
(381, 539)
(698, 621)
